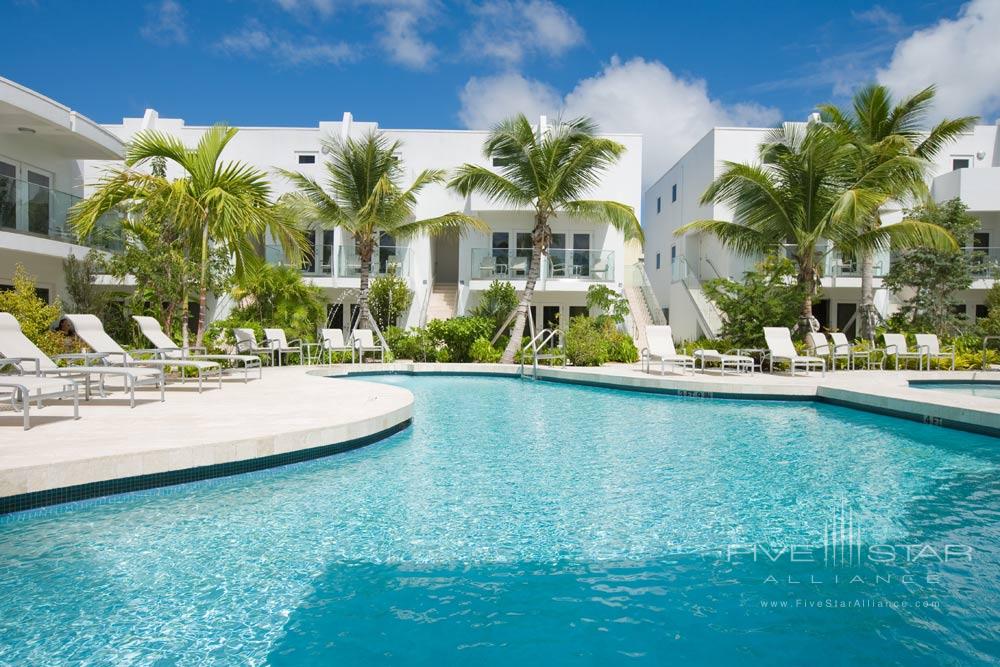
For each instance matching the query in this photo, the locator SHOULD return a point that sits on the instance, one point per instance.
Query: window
(657, 204)
(38, 202)
(8, 198)
(960, 163)
(307, 158)
(673, 192)
(657, 261)
(41, 292)
(982, 311)
(981, 240)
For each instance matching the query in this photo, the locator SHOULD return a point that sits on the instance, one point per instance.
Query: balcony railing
(385, 260)
(37, 210)
(985, 262)
(559, 264)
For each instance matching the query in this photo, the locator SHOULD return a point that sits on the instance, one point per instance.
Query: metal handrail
(540, 341)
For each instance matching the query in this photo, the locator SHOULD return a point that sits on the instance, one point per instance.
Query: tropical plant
(496, 303)
(608, 301)
(35, 316)
(881, 129)
(808, 190)
(458, 334)
(414, 343)
(766, 297)
(388, 298)
(276, 295)
(483, 352)
(931, 277)
(215, 203)
(547, 170)
(362, 193)
(81, 283)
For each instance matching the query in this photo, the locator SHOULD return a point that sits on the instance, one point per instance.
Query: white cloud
(638, 95)
(487, 100)
(402, 36)
(512, 30)
(165, 23)
(959, 55)
(322, 7)
(880, 17)
(255, 41)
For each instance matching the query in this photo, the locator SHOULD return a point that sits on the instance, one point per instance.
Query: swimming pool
(537, 522)
(987, 389)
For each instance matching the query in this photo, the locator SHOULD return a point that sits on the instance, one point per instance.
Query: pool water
(987, 389)
(535, 522)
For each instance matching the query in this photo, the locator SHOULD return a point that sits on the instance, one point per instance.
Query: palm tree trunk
(365, 255)
(522, 308)
(866, 310)
(202, 287)
(807, 281)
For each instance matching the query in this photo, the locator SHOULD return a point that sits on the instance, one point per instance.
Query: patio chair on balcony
(332, 340)
(488, 267)
(781, 348)
(519, 267)
(660, 345)
(934, 349)
(363, 340)
(895, 345)
(91, 331)
(282, 347)
(601, 269)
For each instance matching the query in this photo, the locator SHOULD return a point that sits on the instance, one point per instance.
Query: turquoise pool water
(531, 522)
(987, 389)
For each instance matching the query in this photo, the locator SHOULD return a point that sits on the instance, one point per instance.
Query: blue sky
(667, 69)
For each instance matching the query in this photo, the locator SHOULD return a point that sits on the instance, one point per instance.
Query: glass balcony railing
(37, 210)
(385, 260)
(514, 264)
(985, 262)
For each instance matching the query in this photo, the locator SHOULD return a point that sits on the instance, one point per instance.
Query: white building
(446, 273)
(42, 144)
(968, 168)
(50, 155)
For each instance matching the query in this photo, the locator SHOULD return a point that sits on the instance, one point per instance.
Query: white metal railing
(557, 264)
(545, 339)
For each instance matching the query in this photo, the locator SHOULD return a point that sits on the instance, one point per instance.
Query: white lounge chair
(151, 329)
(15, 346)
(660, 345)
(332, 340)
(932, 346)
(736, 362)
(281, 347)
(23, 389)
(781, 348)
(840, 344)
(90, 330)
(363, 340)
(895, 345)
(820, 347)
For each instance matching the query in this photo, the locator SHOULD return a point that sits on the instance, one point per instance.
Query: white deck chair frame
(281, 347)
(934, 349)
(895, 345)
(24, 389)
(151, 329)
(332, 340)
(15, 346)
(90, 330)
(363, 340)
(821, 347)
(660, 346)
(781, 348)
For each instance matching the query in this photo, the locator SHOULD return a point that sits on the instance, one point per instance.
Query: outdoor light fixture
(26, 130)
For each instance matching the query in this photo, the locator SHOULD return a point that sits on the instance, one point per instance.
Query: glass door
(581, 254)
(8, 195)
(39, 203)
(557, 256)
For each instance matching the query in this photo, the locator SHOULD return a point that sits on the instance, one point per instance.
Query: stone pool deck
(295, 413)
(286, 416)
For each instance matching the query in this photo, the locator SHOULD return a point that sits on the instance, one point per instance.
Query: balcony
(385, 260)
(36, 210)
(560, 264)
(985, 262)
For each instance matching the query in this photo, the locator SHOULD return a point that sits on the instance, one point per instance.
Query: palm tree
(547, 170)
(362, 194)
(881, 128)
(214, 202)
(807, 189)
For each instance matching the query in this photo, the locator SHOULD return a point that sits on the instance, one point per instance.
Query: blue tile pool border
(69, 494)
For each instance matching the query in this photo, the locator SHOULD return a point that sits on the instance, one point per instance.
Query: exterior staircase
(443, 301)
(643, 307)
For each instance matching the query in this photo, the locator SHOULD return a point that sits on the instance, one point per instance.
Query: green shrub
(35, 316)
(415, 344)
(608, 301)
(443, 356)
(621, 348)
(277, 296)
(586, 342)
(458, 334)
(482, 352)
(496, 303)
(388, 298)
